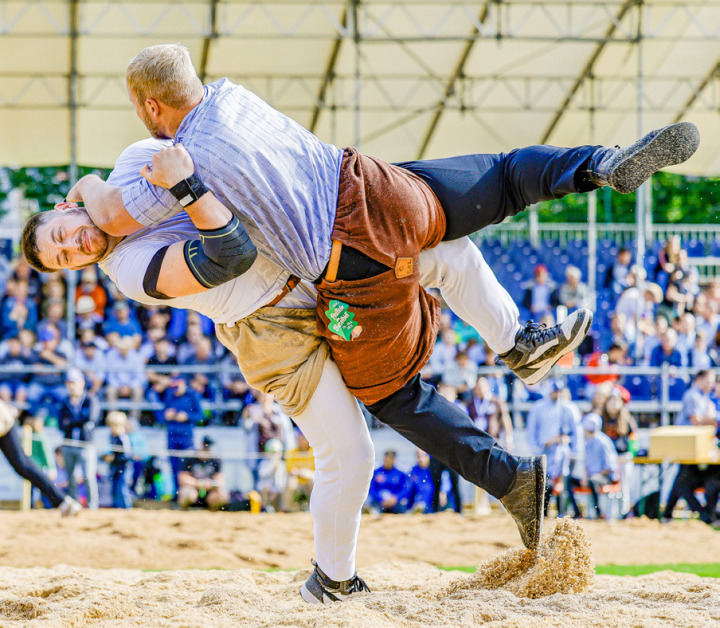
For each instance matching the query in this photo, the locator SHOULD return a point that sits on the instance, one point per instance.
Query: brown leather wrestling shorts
(390, 215)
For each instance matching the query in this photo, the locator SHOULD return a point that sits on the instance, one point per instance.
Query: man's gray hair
(164, 72)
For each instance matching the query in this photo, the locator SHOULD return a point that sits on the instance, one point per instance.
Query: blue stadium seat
(639, 387)
(677, 388)
(576, 386)
(695, 248)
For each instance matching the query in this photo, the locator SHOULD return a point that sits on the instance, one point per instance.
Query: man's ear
(66, 205)
(152, 107)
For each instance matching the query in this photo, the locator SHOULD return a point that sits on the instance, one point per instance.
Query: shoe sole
(542, 371)
(540, 475)
(307, 596)
(673, 145)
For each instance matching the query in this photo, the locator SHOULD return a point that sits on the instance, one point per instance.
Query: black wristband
(188, 190)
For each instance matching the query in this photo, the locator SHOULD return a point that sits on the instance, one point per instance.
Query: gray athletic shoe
(69, 507)
(319, 589)
(525, 501)
(538, 347)
(625, 169)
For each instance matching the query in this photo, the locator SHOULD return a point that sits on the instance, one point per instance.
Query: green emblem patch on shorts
(342, 320)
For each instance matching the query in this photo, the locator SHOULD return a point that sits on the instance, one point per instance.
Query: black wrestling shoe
(538, 347)
(525, 501)
(319, 589)
(626, 169)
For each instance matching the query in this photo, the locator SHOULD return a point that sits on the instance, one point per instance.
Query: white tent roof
(401, 79)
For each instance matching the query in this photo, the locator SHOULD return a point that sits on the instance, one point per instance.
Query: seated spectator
(619, 272)
(638, 305)
(461, 373)
(678, 299)
(13, 386)
(421, 484)
(122, 325)
(47, 390)
(77, 418)
(207, 385)
(574, 293)
(618, 423)
(19, 311)
(120, 459)
(53, 290)
(684, 325)
(154, 317)
(126, 377)
(300, 465)
(22, 271)
(91, 360)
(490, 414)
(87, 317)
(601, 459)
(182, 413)
(186, 350)
(160, 381)
(234, 386)
(699, 356)
(697, 407)
(615, 356)
(666, 352)
(541, 295)
(621, 334)
(55, 315)
(389, 487)
(202, 483)
(90, 287)
(706, 315)
(272, 476)
(669, 256)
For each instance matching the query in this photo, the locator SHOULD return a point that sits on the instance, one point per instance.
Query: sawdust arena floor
(101, 569)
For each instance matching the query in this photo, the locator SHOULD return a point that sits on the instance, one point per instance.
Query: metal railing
(662, 405)
(617, 232)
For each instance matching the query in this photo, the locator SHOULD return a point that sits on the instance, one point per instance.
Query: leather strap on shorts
(334, 263)
(289, 285)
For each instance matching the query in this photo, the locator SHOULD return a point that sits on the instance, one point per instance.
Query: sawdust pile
(563, 564)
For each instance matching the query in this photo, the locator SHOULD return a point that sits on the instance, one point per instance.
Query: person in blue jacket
(422, 487)
(182, 413)
(389, 488)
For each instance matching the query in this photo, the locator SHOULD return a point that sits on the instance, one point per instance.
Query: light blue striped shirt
(279, 179)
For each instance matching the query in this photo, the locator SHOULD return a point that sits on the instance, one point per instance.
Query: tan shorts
(279, 352)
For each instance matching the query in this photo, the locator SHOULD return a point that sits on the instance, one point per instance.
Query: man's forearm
(104, 204)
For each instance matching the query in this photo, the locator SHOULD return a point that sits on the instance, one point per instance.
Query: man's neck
(113, 241)
(178, 115)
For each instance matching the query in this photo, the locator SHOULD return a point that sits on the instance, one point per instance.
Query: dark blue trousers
(480, 190)
(475, 191)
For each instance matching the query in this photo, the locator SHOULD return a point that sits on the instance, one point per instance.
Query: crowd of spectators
(646, 315)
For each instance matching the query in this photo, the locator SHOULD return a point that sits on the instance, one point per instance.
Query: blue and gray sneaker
(319, 589)
(626, 169)
(538, 347)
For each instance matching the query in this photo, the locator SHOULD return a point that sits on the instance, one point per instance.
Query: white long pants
(344, 461)
(336, 428)
(472, 291)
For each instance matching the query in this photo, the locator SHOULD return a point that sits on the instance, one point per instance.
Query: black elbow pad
(221, 254)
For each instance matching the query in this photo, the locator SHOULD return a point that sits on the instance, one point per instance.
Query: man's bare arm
(104, 204)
